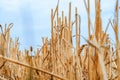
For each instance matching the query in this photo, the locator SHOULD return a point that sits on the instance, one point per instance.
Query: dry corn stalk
(95, 60)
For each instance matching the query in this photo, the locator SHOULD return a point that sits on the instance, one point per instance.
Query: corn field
(58, 58)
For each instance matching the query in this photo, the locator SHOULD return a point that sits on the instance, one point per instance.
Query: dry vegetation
(58, 59)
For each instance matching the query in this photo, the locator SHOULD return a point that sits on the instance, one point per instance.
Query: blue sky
(31, 18)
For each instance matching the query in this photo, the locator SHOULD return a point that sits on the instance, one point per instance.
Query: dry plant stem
(102, 65)
(116, 27)
(34, 68)
(62, 54)
(89, 18)
(77, 42)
